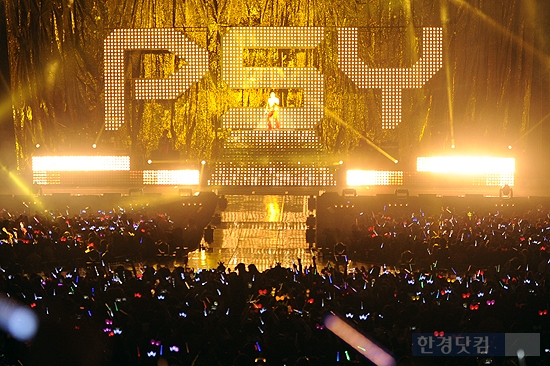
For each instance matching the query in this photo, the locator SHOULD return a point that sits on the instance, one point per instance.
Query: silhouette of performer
(272, 110)
(165, 144)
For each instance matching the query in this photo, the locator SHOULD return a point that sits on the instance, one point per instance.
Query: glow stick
(358, 341)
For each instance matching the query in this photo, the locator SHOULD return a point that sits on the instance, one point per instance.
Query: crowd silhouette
(105, 296)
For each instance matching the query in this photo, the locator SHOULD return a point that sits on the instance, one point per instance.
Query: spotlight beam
(411, 34)
(364, 138)
(17, 181)
(518, 40)
(532, 129)
(24, 187)
(444, 11)
(100, 133)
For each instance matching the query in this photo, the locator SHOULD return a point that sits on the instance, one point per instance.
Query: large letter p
(154, 39)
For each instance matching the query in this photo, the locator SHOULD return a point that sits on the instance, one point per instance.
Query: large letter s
(307, 78)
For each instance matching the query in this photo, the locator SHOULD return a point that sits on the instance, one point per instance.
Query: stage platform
(265, 225)
(266, 229)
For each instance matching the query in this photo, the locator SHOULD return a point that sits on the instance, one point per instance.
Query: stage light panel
(183, 177)
(277, 175)
(80, 163)
(499, 180)
(356, 178)
(43, 178)
(466, 165)
(285, 140)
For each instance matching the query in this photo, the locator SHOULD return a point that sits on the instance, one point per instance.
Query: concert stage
(263, 225)
(277, 119)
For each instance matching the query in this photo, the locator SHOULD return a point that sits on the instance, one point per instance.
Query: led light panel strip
(184, 177)
(272, 176)
(356, 178)
(80, 163)
(499, 180)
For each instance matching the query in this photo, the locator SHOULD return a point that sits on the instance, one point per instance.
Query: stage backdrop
(481, 96)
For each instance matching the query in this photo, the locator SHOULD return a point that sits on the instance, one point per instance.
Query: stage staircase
(278, 158)
(262, 229)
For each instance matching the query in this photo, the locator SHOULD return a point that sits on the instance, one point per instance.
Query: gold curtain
(481, 96)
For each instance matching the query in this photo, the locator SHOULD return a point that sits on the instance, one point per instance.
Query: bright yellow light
(466, 165)
(80, 163)
(184, 177)
(355, 178)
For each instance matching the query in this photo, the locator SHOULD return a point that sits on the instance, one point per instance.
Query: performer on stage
(272, 110)
(165, 144)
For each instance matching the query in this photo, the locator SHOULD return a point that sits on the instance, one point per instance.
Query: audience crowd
(104, 297)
